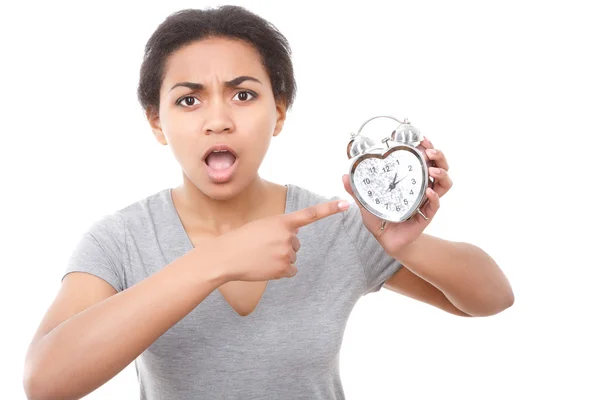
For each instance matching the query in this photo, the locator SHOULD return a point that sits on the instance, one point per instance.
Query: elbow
(30, 379)
(505, 299)
(498, 304)
(36, 383)
(495, 299)
(34, 390)
(33, 377)
(508, 300)
(36, 387)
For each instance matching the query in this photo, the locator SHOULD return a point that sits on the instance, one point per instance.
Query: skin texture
(219, 115)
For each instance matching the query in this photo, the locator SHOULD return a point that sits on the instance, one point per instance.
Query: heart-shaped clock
(390, 181)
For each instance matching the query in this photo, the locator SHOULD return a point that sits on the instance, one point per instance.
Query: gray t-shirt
(287, 348)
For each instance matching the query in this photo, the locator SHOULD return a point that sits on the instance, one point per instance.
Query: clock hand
(393, 184)
(405, 175)
(403, 178)
(396, 182)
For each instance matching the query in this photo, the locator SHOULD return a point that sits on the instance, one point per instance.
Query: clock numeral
(366, 181)
(387, 206)
(398, 208)
(414, 182)
(373, 169)
(405, 202)
(398, 162)
(370, 193)
(410, 167)
(411, 192)
(386, 168)
(377, 201)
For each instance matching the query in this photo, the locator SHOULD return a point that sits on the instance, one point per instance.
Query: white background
(509, 91)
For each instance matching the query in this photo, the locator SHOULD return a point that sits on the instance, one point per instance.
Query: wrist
(406, 252)
(209, 259)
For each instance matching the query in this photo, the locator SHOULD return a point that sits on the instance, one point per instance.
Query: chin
(223, 191)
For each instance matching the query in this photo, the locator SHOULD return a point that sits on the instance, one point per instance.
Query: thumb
(371, 222)
(348, 187)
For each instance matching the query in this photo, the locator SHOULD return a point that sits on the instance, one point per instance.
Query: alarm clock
(389, 178)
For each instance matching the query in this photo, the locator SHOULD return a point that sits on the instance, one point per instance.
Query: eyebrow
(230, 84)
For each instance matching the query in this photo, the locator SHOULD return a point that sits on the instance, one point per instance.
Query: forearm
(464, 273)
(91, 347)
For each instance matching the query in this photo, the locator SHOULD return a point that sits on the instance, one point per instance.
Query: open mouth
(220, 157)
(221, 161)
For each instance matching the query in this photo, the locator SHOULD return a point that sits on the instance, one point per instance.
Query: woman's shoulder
(305, 197)
(152, 207)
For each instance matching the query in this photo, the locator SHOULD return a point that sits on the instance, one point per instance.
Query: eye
(245, 95)
(187, 101)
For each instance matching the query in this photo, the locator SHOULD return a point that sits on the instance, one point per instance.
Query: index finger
(300, 218)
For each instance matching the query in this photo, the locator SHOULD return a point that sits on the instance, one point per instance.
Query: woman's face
(216, 95)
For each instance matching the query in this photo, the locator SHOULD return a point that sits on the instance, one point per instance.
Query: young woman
(140, 285)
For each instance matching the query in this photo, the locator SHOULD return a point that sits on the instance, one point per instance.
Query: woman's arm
(468, 277)
(91, 333)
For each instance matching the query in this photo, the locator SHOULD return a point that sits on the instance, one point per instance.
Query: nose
(218, 119)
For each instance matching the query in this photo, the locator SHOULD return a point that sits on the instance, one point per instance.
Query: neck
(205, 214)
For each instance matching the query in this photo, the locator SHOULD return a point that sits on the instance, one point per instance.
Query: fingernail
(343, 205)
(435, 171)
(431, 151)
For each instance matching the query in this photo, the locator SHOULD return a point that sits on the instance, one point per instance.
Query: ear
(281, 114)
(153, 118)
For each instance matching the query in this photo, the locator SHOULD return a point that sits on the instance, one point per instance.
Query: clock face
(392, 187)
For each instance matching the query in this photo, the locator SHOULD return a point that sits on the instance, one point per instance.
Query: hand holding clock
(397, 235)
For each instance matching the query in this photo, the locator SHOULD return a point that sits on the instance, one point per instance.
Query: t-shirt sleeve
(378, 265)
(99, 251)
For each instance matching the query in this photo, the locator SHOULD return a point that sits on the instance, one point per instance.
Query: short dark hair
(186, 26)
